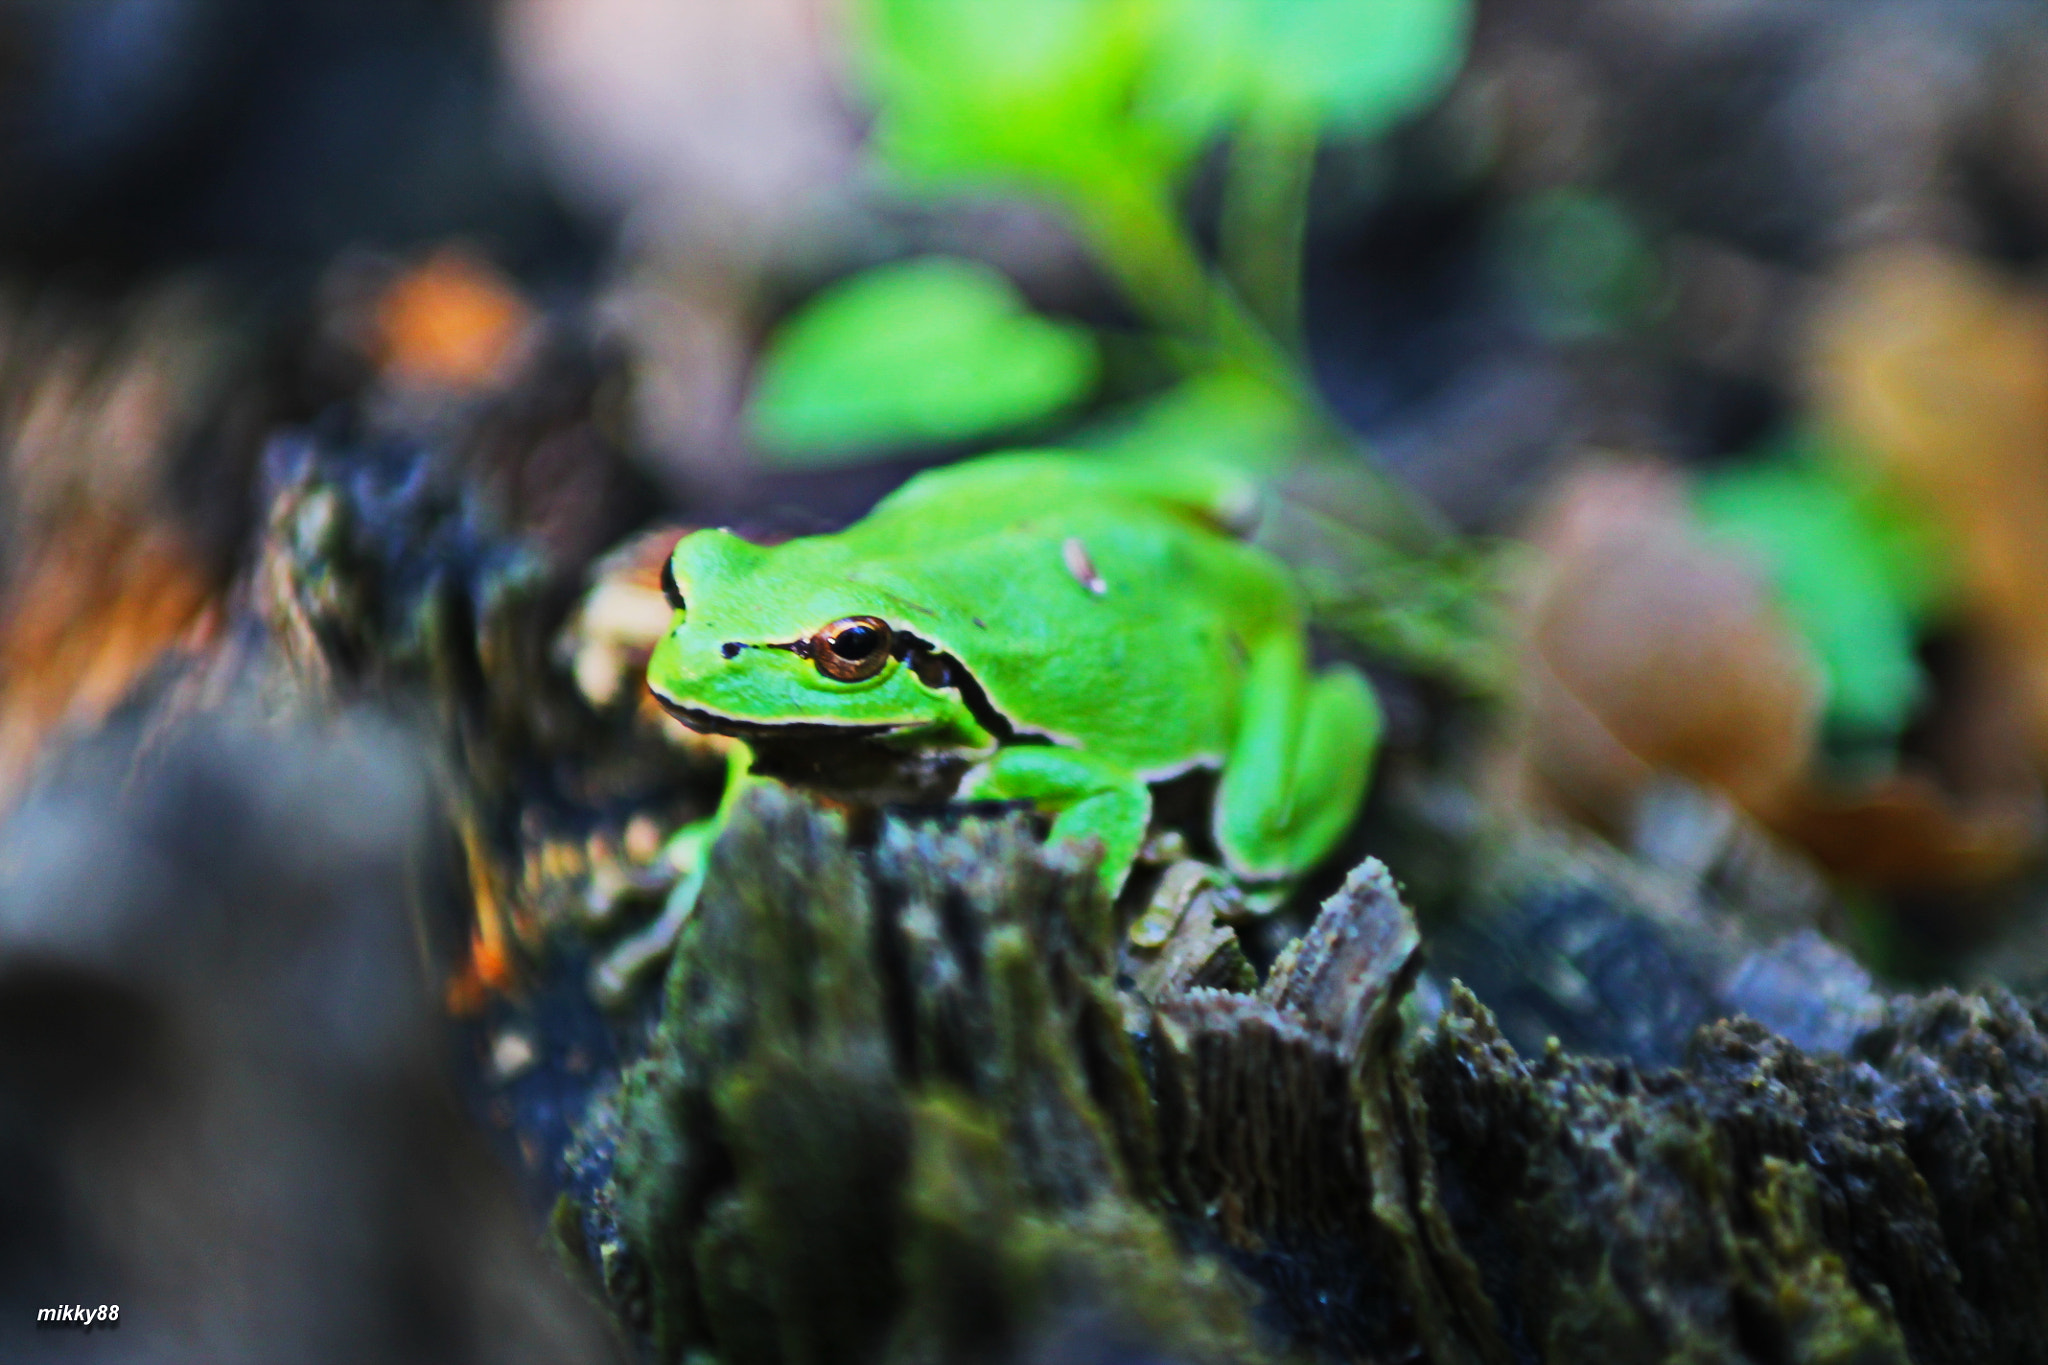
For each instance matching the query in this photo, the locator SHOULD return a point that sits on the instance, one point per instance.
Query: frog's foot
(614, 975)
(1087, 799)
(1298, 770)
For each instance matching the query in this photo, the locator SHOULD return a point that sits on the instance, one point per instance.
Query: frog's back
(962, 500)
(1088, 612)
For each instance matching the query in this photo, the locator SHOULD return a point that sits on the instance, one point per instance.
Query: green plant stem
(1265, 216)
(1136, 232)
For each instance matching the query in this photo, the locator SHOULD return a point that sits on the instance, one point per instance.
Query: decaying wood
(899, 1109)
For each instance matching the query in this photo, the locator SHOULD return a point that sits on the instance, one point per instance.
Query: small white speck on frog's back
(1081, 566)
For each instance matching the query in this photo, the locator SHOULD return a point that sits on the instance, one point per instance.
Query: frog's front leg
(1086, 798)
(1298, 768)
(688, 851)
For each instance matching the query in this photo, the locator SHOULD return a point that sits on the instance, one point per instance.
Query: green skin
(1117, 635)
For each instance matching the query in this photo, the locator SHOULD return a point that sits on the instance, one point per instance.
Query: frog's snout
(688, 666)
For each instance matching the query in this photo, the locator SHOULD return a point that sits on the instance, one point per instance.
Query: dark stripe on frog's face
(937, 670)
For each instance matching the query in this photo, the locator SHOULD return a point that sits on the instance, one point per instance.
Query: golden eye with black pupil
(852, 648)
(669, 589)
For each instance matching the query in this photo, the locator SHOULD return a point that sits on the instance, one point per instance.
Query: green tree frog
(1052, 627)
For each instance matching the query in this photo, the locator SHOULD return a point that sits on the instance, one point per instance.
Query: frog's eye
(851, 648)
(669, 589)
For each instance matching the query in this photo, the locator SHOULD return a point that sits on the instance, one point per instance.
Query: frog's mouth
(713, 723)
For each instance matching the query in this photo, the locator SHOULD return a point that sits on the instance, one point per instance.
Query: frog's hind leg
(1298, 769)
(1086, 799)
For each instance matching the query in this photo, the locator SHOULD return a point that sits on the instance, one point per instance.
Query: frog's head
(775, 642)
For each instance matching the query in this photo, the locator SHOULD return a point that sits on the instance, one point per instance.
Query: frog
(1061, 629)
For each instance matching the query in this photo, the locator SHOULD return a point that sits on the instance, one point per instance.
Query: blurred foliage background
(1654, 392)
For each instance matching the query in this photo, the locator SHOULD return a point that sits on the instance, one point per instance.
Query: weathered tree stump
(899, 1108)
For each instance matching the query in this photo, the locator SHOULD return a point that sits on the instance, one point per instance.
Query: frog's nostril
(731, 649)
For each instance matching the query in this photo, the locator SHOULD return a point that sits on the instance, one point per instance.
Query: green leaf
(1353, 66)
(1217, 416)
(993, 89)
(1854, 574)
(1073, 91)
(923, 352)
(1363, 65)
